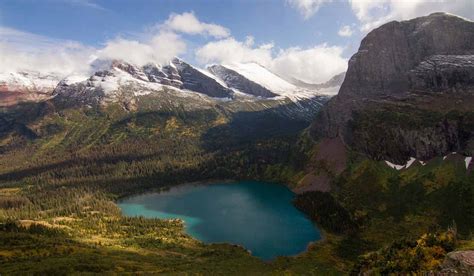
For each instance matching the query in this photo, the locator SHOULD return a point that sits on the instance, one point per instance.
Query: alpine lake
(257, 215)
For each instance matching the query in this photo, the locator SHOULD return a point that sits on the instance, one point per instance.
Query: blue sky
(307, 39)
(94, 22)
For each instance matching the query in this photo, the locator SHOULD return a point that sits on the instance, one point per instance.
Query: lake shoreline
(251, 193)
(167, 187)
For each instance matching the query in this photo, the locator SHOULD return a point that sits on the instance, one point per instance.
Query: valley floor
(61, 173)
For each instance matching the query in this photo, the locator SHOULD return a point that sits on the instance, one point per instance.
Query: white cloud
(26, 51)
(375, 13)
(249, 41)
(159, 49)
(307, 8)
(314, 65)
(25, 41)
(22, 51)
(188, 23)
(230, 50)
(161, 43)
(345, 31)
(136, 52)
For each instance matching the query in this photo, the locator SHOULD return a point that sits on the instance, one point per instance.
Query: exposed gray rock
(194, 80)
(133, 70)
(444, 72)
(166, 75)
(459, 262)
(82, 92)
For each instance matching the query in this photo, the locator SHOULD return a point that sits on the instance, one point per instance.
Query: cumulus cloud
(307, 8)
(313, 65)
(345, 31)
(162, 43)
(158, 49)
(372, 14)
(188, 23)
(230, 50)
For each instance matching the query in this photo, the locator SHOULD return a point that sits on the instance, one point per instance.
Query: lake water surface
(257, 215)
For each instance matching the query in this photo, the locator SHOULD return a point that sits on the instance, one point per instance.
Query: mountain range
(114, 80)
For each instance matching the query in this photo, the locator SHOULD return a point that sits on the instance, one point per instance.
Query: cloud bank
(313, 65)
(22, 51)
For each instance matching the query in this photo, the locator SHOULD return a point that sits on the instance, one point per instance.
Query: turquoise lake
(257, 215)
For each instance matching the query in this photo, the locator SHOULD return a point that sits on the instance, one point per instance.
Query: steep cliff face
(408, 91)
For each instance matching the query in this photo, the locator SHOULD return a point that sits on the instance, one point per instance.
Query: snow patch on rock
(409, 162)
(405, 166)
(394, 166)
(28, 81)
(468, 160)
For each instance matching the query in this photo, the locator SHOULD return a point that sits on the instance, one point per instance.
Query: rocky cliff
(408, 91)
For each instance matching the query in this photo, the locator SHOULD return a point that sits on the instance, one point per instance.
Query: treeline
(438, 194)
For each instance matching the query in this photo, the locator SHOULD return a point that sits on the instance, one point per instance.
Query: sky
(310, 40)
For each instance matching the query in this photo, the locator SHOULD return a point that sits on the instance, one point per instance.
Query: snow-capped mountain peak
(26, 86)
(261, 75)
(267, 80)
(111, 79)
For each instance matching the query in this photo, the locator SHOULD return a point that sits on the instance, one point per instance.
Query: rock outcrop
(459, 262)
(408, 91)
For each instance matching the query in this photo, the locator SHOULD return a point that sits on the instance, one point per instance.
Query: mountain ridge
(110, 76)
